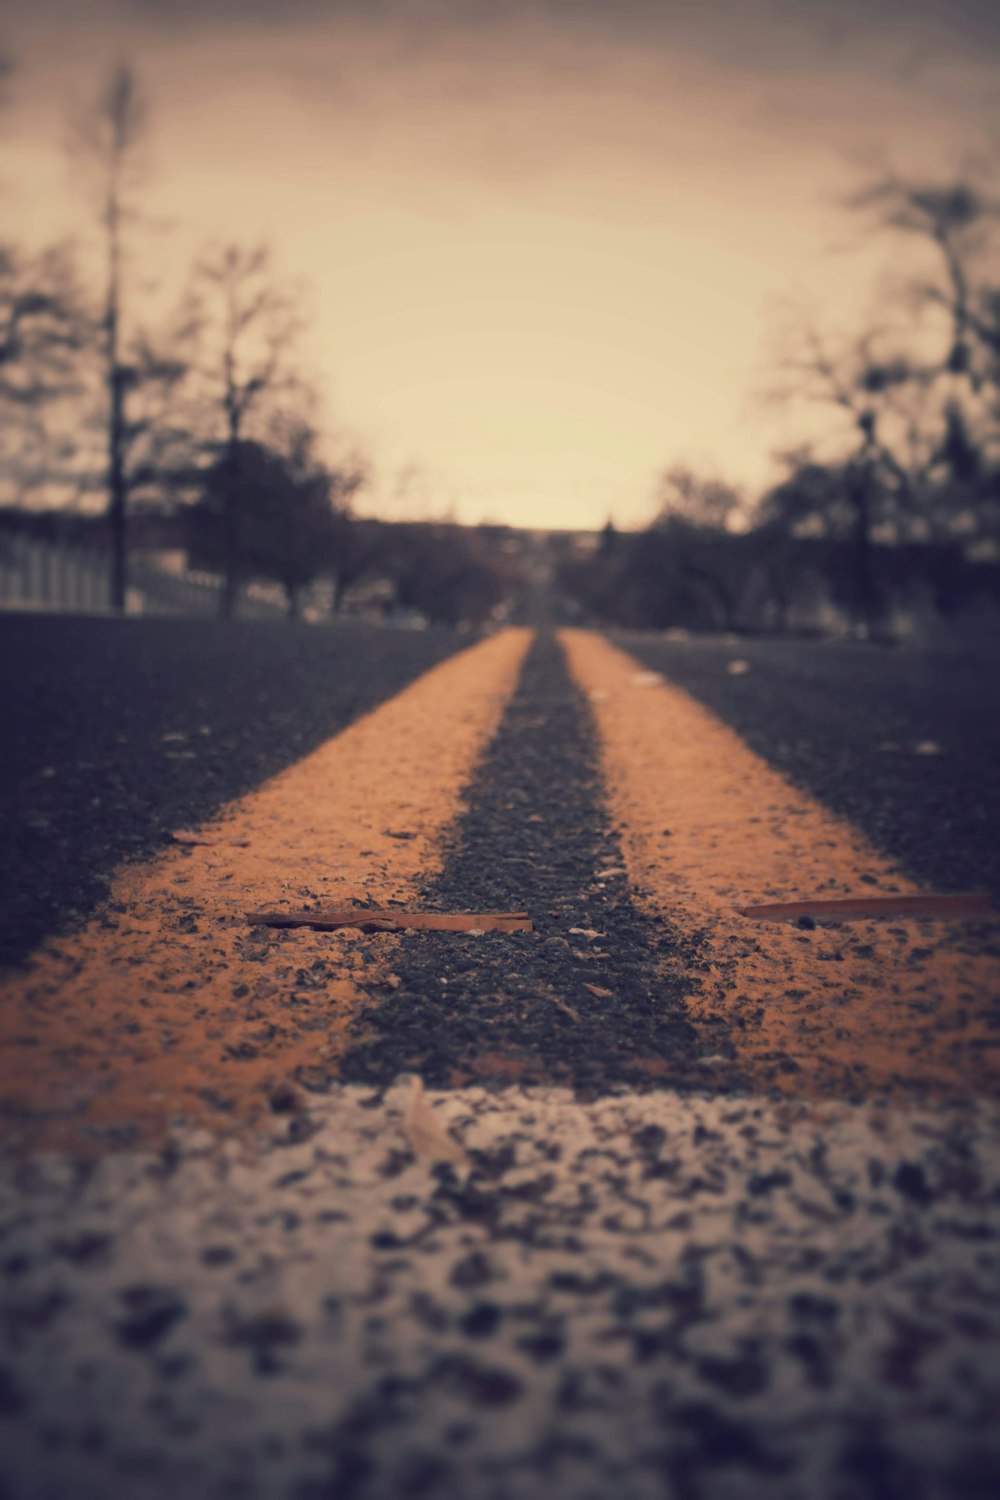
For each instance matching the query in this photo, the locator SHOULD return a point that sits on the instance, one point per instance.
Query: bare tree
(697, 499)
(696, 514)
(249, 326)
(42, 328)
(958, 220)
(959, 223)
(106, 140)
(292, 524)
(42, 322)
(918, 394)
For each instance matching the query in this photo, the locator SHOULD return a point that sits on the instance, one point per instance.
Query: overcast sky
(545, 245)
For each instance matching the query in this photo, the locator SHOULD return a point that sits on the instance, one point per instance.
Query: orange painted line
(708, 831)
(164, 1004)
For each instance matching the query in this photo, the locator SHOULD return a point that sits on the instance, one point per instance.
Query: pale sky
(545, 245)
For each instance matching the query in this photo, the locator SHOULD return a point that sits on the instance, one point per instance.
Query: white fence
(57, 577)
(53, 576)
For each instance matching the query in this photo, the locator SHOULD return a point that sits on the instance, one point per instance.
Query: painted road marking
(166, 1004)
(707, 828)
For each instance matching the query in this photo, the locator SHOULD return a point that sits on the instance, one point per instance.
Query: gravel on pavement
(640, 1296)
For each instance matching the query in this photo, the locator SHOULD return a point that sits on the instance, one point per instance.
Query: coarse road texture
(118, 732)
(708, 1278)
(582, 1000)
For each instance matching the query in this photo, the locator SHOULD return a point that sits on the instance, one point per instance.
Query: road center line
(707, 827)
(166, 1003)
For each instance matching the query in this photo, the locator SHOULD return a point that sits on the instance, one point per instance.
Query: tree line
(896, 505)
(203, 411)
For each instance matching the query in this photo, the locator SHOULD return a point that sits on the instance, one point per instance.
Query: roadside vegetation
(896, 510)
(193, 416)
(198, 429)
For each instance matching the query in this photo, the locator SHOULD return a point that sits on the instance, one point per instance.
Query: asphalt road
(573, 1002)
(473, 1292)
(117, 732)
(902, 741)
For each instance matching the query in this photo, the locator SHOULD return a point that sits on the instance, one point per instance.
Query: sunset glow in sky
(545, 246)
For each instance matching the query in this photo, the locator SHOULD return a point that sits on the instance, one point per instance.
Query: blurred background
(435, 312)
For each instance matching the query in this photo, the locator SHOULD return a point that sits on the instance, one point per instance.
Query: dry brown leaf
(844, 908)
(391, 919)
(562, 1005)
(595, 989)
(186, 837)
(425, 1133)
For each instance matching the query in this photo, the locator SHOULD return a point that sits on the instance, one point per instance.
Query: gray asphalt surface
(581, 1000)
(903, 741)
(117, 732)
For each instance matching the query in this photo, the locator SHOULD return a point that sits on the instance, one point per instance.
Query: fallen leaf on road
(184, 836)
(425, 1133)
(595, 989)
(561, 1004)
(844, 907)
(587, 932)
(389, 919)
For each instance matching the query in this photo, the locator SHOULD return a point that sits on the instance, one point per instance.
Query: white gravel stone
(641, 1294)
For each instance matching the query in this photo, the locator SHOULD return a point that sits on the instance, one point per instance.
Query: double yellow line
(166, 1003)
(900, 1006)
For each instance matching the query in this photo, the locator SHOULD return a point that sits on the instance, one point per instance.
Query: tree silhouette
(248, 329)
(106, 142)
(42, 329)
(958, 223)
(290, 521)
(443, 572)
(697, 560)
(917, 393)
